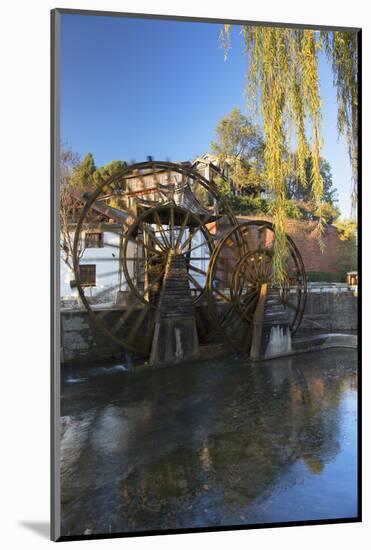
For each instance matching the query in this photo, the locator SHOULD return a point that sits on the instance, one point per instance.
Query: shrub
(326, 277)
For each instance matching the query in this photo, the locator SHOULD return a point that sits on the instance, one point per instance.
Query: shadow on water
(208, 444)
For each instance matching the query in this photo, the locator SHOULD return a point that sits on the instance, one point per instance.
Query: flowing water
(216, 443)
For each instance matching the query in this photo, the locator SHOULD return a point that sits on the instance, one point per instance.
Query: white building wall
(106, 260)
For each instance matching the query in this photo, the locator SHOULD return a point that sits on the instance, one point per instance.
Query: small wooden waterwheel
(241, 263)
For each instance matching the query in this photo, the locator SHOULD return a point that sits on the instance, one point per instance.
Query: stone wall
(327, 310)
(330, 310)
(82, 341)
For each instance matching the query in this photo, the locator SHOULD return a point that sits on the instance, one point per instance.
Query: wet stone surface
(209, 444)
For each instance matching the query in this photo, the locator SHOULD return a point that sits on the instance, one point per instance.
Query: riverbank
(330, 308)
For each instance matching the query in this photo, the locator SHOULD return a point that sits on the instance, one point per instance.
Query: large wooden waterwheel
(161, 209)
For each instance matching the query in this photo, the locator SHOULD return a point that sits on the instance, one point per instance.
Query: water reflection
(217, 443)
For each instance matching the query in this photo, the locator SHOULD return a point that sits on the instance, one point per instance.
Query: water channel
(216, 443)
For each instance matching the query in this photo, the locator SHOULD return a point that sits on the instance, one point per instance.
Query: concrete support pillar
(271, 328)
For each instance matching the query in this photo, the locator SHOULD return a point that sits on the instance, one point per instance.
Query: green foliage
(224, 188)
(252, 205)
(349, 260)
(328, 211)
(82, 174)
(105, 172)
(301, 192)
(246, 205)
(323, 276)
(329, 191)
(86, 176)
(292, 210)
(298, 189)
(240, 145)
(347, 229)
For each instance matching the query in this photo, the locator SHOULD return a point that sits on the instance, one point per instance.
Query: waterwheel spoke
(249, 273)
(188, 241)
(182, 229)
(267, 269)
(256, 269)
(121, 321)
(197, 270)
(162, 231)
(249, 298)
(197, 247)
(172, 224)
(150, 232)
(244, 291)
(226, 315)
(246, 308)
(106, 290)
(137, 324)
(149, 248)
(195, 282)
(226, 298)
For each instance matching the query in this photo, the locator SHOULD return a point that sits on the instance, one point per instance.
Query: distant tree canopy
(108, 170)
(283, 84)
(240, 145)
(300, 192)
(347, 230)
(86, 176)
(82, 174)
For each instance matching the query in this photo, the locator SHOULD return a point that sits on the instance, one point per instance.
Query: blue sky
(134, 87)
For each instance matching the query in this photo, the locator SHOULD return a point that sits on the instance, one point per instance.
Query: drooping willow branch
(342, 51)
(282, 78)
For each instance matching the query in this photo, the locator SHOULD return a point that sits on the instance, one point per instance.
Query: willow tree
(342, 50)
(283, 84)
